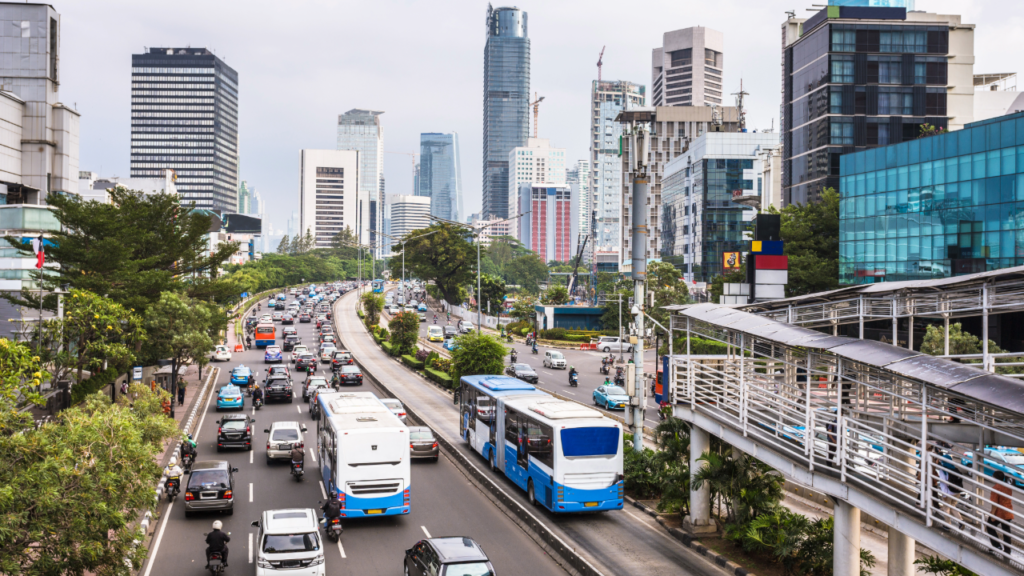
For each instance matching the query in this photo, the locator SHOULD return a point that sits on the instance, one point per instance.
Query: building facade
(688, 68)
(535, 163)
(607, 100)
(506, 102)
(409, 213)
(493, 227)
(328, 193)
(551, 227)
(92, 187)
(440, 175)
(185, 117)
(700, 219)
(577, 179)
(244, 198)
(857, 77)
(361, 130)
(934, 207)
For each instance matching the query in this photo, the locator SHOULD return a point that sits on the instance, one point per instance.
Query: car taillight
(248, 430)
(411, 446)
(219, 430)
(189, 497)
(400, 414)
(227, 494)
(435, 445)
(268, 444)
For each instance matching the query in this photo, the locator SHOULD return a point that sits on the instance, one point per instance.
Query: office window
(890, 72)
(935, 104)
(844, 40)
(841, 132)
(842, 70)
(835, 102)
(895, 104)
(935, 73)
(877, 134)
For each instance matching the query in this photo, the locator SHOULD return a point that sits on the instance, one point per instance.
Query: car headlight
(317, 561)
(263, 563)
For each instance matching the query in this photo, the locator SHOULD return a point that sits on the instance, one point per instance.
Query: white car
(327, 353)
(394, 310)
(554, 359)
(221, 354)
(395, 406)
(289, 538)
(465, 327)
(613, 344)
(283, 437)
(298, 351)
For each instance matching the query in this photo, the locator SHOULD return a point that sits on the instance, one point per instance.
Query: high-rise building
(91, 186)
(244, 198)
(536, 163)
(440, 175)
(362, 131)
(687, 69)
(185, 117)
(409, 213)
(328, 182)
(506, 102)
(607, 99)
(550, 227)
(255, 200)
(855, 77)
(577, 179)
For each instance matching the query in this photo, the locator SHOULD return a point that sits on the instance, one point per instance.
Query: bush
(640, 470)
(525, 330)
(422, 355)
(412, 362)
(360, 313)
(439, 377)
(383, 333)
(405, 330)
(553, 334)
(94, 383)
(441, 364)
(388, 348)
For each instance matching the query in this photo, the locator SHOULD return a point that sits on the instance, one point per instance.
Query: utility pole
(640, 144)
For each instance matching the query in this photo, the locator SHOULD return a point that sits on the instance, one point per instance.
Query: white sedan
(299, 350)
(221, 354)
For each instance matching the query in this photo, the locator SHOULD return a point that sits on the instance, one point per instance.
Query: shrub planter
(439, 377)
(387, 348)
(412, 362)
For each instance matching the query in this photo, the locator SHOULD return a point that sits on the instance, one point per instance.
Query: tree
(614, 309)
(21, 375)
(555, 295)
(477, 353)
(663, 280)
(810, 233)
(524, 309)
(961, 342)
(372, 306)
(342, 242)
(493, 294)
(181, 330)
(285, 246)
(405, 329)
(526, 271)
(445, 257)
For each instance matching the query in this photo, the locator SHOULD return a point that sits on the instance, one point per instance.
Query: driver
(257, 393)
(217, 541)
(332, 508)
(572, 372)
(298, 455)
(513, 355)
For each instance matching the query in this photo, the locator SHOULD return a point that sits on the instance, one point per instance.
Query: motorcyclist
(248, 341)
(298, 455)
(217, 541)
(259, 306)
(332, 508)
(251, 382)
(513, 355)
(188, 446)
(257, 393)
(173, 472)
(535, 347)
(572, 372)
(607, 381)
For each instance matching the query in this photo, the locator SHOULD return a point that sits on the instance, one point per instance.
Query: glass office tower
(440, 175)
(361, 130)
(506, 102)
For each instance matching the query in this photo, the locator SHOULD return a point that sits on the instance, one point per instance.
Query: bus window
(596, 441)
(511, 427)
(540, 446)
(484, 409)
(470, 400)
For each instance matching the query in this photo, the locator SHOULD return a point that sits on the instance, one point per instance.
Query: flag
(37, 247)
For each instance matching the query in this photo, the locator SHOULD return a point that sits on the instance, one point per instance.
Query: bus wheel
(529, 493)
(494, 465)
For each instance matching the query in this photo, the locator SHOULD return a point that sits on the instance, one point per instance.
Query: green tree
(524, 309)
(815, 556)
(181, 329)
(445, 257)
(285, 245)
(664, 281)
(555, 295)
(21, 375)
(493, 289)
(811, 236)
(526, 271)
(477, 353)
(372, 306)
(961, 342)
(342, 242)
(612, 307)
(405, 330)
(941, 567)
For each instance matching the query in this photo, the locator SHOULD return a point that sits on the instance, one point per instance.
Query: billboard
(730, 261)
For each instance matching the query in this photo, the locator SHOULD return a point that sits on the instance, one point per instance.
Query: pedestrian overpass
(870, 424)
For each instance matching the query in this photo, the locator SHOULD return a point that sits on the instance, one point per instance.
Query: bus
(363, 451)
(566, 456)
(378, 286)
(265, 334)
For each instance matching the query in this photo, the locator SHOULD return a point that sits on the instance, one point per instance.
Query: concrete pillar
(901, 553)
(699, 520)
(846, 540)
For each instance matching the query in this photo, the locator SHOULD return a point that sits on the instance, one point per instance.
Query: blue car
(1000, 458)
(273, 354)
(240, 375)
(611, 397)
(229, 397)
(449, 344)
(422, 307)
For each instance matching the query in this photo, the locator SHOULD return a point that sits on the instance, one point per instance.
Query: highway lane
(444, 503)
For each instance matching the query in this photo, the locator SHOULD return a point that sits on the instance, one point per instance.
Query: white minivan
(289, 543)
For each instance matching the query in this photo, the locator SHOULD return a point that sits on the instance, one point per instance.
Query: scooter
(574, 380)
(534, 349)
(215, 564)
(297, 471)
(332, 528)
(508, 338)
(186, 463)
(173, 487)
(605, 369)
(257, 403)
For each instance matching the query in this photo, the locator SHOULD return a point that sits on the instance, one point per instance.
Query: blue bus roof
(493, 383)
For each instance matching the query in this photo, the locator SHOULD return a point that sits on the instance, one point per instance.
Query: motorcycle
(173, 487)
(332, 527)
(215, 564)
(509, 339)
(605, 369)
(534, 349)
(297, 471)
(574, 380)
(257, 403)
(186, 462)
(514, 357)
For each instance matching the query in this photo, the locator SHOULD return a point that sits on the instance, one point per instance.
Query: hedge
(376, 338)
(387, 348)
(92, 384)
(359, 313)
(439, 377)
(412, 362)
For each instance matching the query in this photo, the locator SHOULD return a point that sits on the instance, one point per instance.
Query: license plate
(590, 504)
(375, 511)
(285, 447)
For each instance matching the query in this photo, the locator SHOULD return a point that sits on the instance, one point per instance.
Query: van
(289, 542)
(435, 334)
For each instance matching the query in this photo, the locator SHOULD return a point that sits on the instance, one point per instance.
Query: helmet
(217, 525)
(334, 493)
(173, 462)
(189, 436)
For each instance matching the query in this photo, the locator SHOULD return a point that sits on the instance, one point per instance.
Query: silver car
(395, 406)
(283, 437)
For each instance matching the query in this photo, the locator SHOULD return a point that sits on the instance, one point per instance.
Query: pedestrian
(941, 489)
(1001, 513)
(181, 392)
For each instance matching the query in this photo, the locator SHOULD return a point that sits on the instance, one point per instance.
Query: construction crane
(575, 266)
(600, 59)
(412, 156)
(739, 106)
(536, 111)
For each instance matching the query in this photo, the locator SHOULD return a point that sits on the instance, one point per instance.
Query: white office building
(535, 163)
(607, 99)
(409, 213)
(328, 193)
(92, 187)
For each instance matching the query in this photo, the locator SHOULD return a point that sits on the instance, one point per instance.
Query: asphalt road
(443, 502)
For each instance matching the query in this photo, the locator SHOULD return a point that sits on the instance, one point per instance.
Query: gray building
(506, 102)
(607, 99)
(185, 117)
(688, 68)
(440, 175)
(362, 131)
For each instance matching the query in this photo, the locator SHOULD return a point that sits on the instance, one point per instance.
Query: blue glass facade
(939, 206)
(440, 175)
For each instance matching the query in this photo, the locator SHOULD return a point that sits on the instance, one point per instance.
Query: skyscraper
(675, 78)
(506, 102)
(536, 163)
(409, 213)
(361, 130)
(328, 181)
(577, 179)
(549, 226)
(244, 198)
(185, 117)
(440, 175)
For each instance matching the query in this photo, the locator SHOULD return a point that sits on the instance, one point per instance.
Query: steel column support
(984, 327)
(945, 336)
(901, 554)
(860, 319)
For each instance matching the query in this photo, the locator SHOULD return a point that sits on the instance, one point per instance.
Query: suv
(434, 555)
(289, 542)
(210, 487)
(283, 437)
(289, 342)
(554, 359)
(306, 362)
(351, 374)
(311, 379)
(278, 387)
(235, 431)
(613, 344)
(341, 358)
(450, 331)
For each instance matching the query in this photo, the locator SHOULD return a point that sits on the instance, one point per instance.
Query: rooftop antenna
(739, 104)
(791, 14)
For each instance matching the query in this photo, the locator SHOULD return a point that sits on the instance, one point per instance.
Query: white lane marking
(250, 491)
(322, 490)
(159, 537)
(341, 549)
(570, 392)
(250, 545)
(649, 527)
(312, 455)
(299, 408)
(250, 456)
(425, 531)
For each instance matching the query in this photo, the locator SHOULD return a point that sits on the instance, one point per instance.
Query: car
(611, 397)
(554, 359)
(240, 375)
(266, 319)
(290, 342)
(325, 330)
(435, 333)
(999, 458)
(522, 371)
(314, 389)
(409, 309)
(273, 354)
(327, 339)
(422, 443)
(306, 363)
(310, 381)
(283, 437)
(298, 351)
(277, 316)
(465, 327)
(289, 542)
(289, 331)
(282, 296)
(278, 387)
(221, 354)
(211, 485)
(284, 370)
(396, 407)
(351, 374)
(449, 344)
(613, 344)
(450, 331)
(423, 316)
(229, 397)
(287, 319)
(305, 318)
(341, 358)
(451, 555)
(235, 431)
(422, 307)
(393, 310)
(413, 303)
(327, 352)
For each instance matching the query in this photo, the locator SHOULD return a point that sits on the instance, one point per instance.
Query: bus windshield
(260, 330)
(597, 441)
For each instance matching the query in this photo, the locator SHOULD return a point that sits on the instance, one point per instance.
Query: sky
(301, 63)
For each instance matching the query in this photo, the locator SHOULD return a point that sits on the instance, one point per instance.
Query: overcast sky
(302, 63)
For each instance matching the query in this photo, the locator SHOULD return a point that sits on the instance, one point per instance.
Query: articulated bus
(566, 456)
(378, 286)
(265, 335)
(363, 451)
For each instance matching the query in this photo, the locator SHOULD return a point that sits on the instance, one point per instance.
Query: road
(444, 503)
(617, 542)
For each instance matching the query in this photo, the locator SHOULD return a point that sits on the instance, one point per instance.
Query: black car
(210, 487)
(306, 363)
(435, 555)
(235, 431)
(351, 374)
(288, 319)
(289, 342)
(290, 331)
(278, 387)
(450, 331)
(523, 372)
(341, 358)
(305, 318)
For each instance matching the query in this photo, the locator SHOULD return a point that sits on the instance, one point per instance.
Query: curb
(691, 541)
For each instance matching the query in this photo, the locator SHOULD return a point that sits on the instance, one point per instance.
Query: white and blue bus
(566, 456)
(363, 450)
(378, 286)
